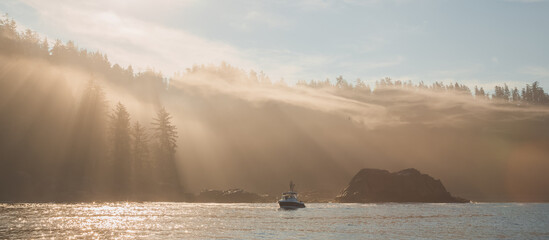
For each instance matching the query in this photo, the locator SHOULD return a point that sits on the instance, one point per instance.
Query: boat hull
(291, 204)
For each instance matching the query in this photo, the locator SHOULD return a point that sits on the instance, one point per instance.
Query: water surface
(267, 221)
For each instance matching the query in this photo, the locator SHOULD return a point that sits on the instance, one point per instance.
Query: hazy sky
(473, 42)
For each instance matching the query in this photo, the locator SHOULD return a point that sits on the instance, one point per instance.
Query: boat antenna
(292, 185)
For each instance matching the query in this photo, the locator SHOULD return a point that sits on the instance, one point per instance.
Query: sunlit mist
(302, 119)
(78, 125)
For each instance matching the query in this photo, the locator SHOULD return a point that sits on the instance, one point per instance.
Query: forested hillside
(76, 127)
(62, 140)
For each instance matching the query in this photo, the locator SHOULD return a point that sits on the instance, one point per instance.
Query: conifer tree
(515, 95)
(142, 168)
(140, 148)
(85, 163)
(165, 135)
(120, 148)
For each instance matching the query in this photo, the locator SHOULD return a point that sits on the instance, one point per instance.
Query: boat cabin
(289, 195)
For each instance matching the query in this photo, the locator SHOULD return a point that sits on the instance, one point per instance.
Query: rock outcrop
(409, 185)
(231, 196)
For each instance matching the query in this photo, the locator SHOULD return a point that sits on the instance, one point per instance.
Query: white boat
(289, 199)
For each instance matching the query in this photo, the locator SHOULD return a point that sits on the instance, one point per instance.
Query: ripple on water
(266, 221)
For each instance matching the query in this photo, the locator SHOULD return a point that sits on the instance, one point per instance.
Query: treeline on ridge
(29, 44)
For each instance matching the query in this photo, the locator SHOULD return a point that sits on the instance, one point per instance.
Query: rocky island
(409, 185)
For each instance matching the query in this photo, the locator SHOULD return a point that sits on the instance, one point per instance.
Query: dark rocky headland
(409, 185)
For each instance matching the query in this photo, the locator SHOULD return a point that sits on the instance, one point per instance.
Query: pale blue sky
(479, 42)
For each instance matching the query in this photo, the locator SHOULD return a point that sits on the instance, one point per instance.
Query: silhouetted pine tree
(85, 163)
(515, 95)
(165, 135)
(479, 93)
(342, 83)
(120, 149)
(506, 93)
(141, 164)
(9, 37)
(361, 87)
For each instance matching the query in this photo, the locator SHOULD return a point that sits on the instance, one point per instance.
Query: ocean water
(267, 221)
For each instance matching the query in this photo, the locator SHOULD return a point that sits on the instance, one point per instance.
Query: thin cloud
(258, 18)
(536, 71)
(526, 1)
(374, 64)
(116, 29)
(128, 40)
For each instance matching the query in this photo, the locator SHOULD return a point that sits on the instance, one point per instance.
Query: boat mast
(292, 185)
